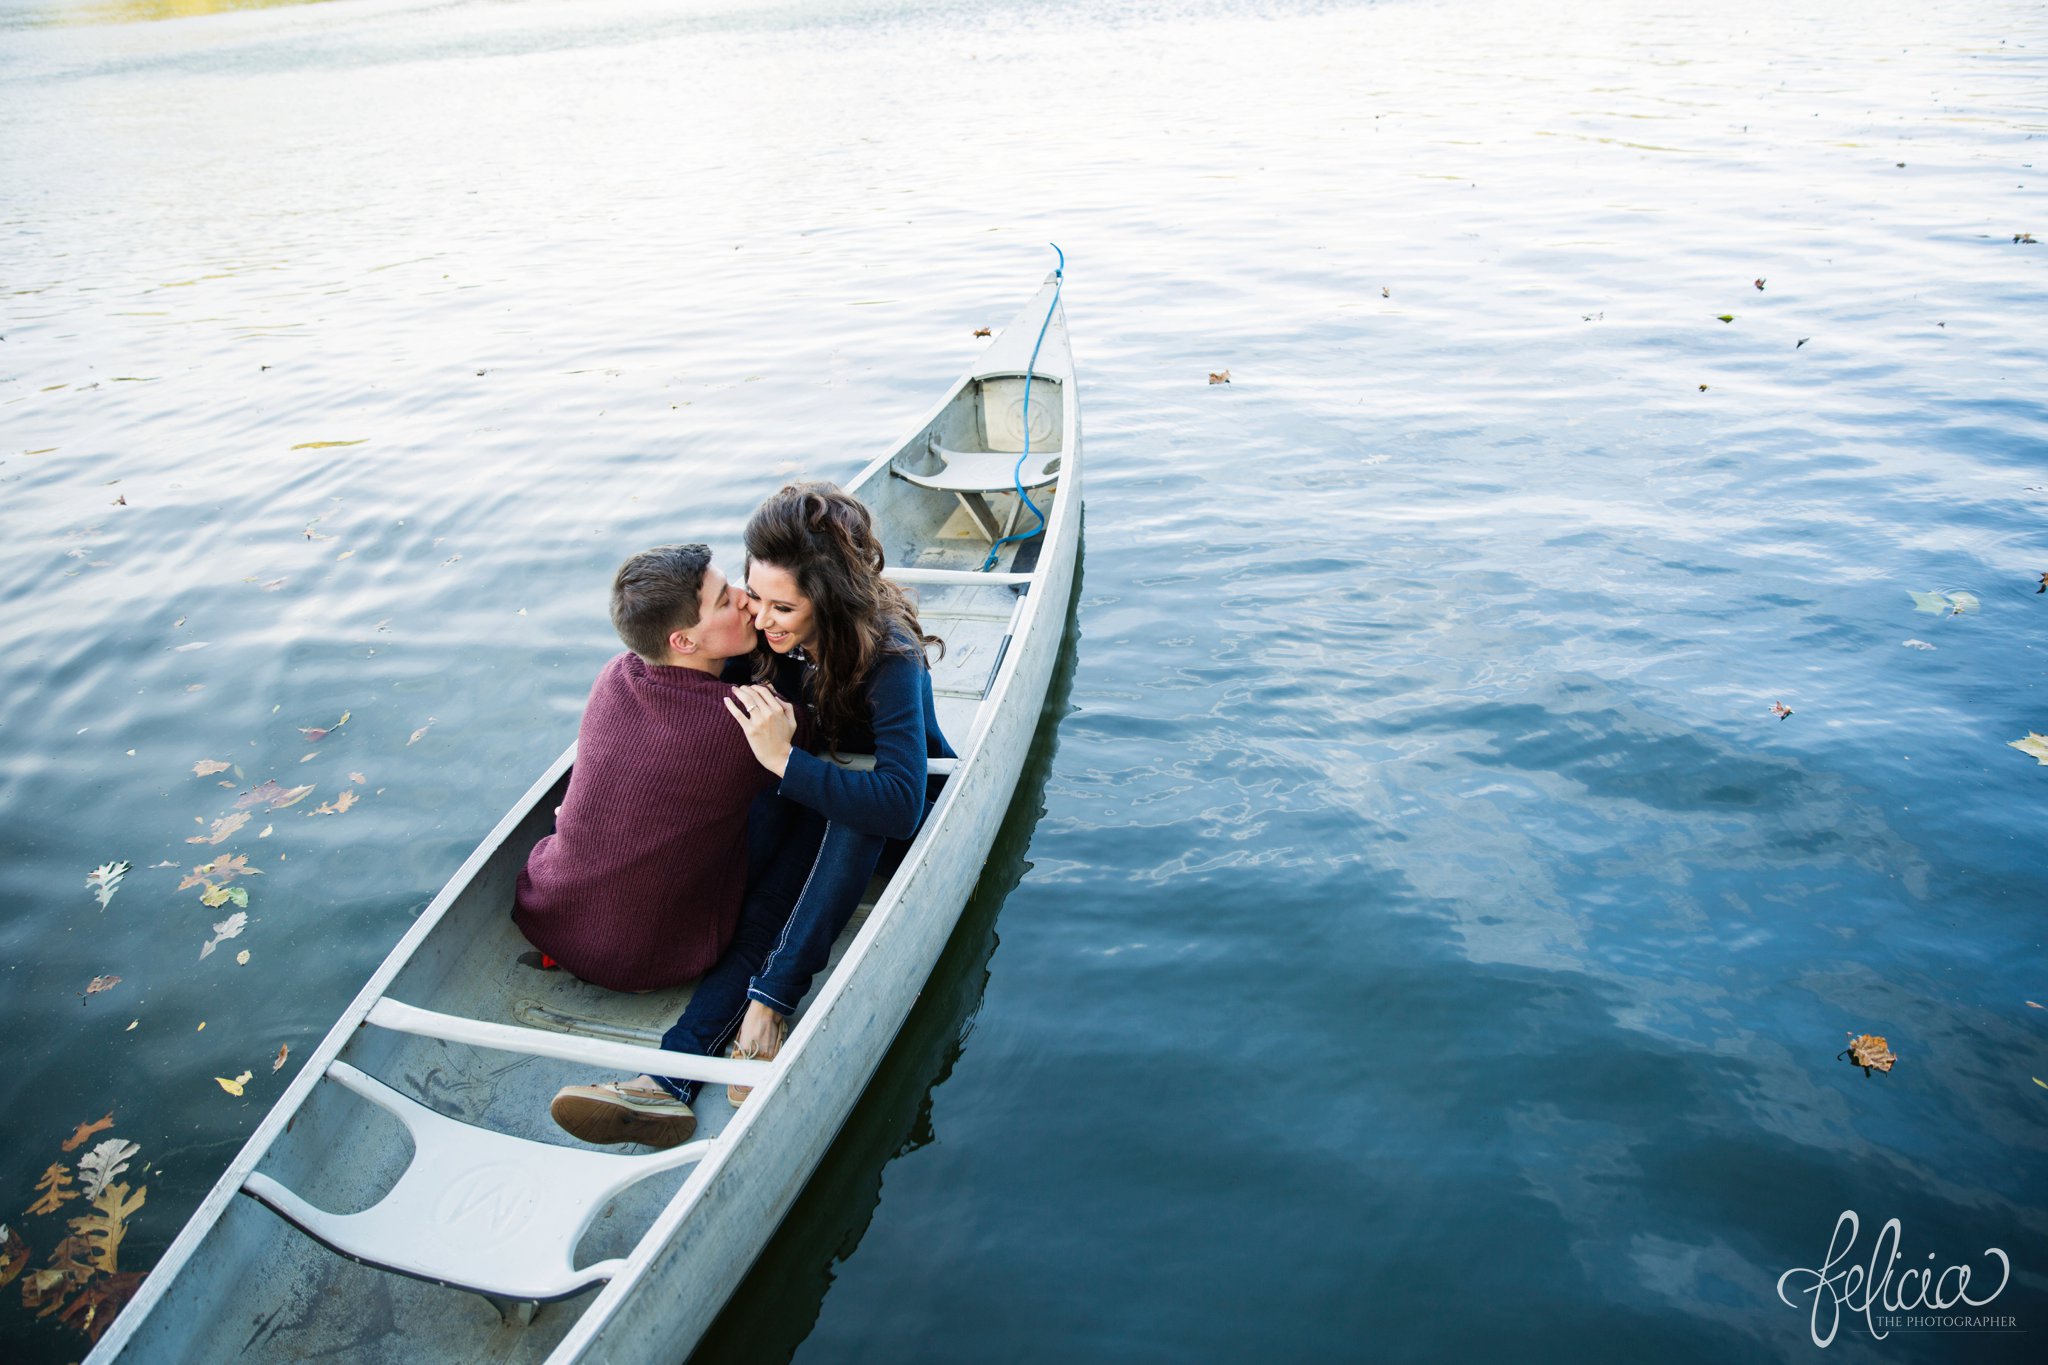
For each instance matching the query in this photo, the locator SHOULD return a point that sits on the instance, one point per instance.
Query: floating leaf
(100, 1302)
(207, 767)
(100, 983)
(1725, 317)
(343, 555)
(419, 732)
(265, 832)
(1867, 1050)
(103, 1163)
(1759, 284)
(359, 779)
(274, 584)
(1703, 388)
(2034, 746)
(223, 869)
(328, 445)
(233, 1087)
(284, 1050)
(1219, 376)
(231, 927)
(1916, 644)
(272, 795)
(983, 331)
(1801, 342)
(222, 828)
(105, 879)
(1780, 710)
(86, 1130)
(14, 1255)
(107, 1225)
(242, 958)
(1960, 602)
(187, 649)
(337, 806)
(53, 1189)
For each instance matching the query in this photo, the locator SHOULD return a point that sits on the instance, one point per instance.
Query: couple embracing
(701, 837)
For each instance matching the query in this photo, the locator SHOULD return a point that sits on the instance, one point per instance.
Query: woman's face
(781, 613)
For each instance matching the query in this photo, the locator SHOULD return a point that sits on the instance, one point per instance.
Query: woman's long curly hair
(825, 538)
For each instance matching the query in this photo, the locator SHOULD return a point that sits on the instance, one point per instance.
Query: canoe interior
(257, 1288)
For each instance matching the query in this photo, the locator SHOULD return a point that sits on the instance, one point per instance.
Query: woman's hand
(770, 723)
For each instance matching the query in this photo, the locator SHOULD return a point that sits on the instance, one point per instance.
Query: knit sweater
(639, 886)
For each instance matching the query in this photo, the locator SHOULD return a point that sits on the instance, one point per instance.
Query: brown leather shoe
(616, 1112)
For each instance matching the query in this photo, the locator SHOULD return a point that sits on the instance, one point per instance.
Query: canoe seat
(476, 1210)
(970, 475)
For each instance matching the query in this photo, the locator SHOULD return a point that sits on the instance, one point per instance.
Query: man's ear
(681, 642)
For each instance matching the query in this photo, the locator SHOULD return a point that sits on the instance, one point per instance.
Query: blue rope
(1059, 275)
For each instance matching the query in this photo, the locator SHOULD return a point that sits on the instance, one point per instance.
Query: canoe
(408, 1197)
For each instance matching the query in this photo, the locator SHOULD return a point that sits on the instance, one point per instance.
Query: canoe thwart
(597, 1052)
(476, 1209)
(956, 578)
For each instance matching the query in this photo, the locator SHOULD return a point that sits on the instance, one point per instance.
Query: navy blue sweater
(902, 732)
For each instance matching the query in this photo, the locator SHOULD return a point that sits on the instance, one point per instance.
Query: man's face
(724, 629)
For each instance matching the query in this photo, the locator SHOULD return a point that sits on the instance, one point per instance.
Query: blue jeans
(795, 910)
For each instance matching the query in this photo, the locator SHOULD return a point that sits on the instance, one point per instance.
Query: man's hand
(770, 723)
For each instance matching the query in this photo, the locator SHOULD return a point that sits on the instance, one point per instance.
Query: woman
(815, 587)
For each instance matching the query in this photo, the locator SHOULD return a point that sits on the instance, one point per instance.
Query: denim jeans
(795, 910)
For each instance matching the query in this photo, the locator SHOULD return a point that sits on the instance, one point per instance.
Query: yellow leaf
(242, 958)
(215, 897)
(233, 1087)
(2034, 746)
(106, 1227)
(328, 445)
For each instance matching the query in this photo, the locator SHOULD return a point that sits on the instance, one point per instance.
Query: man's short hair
(655, 594)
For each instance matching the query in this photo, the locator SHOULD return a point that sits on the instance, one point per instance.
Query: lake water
(1418, 937)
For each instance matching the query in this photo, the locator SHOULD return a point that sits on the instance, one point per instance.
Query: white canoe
(416, 1142)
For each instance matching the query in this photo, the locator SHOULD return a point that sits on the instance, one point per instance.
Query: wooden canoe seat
(476, 1210)
(970, 475)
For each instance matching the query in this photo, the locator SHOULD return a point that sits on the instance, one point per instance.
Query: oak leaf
(14, 1255)
(86, 1130)
(53, 1189)
(105, 879)
(337, 806)
(100, 1302)
(108, 1224)
(222, 828)
(269, 793)
(222, 869)
(231, 927)
(98, 984)
(103, 1163)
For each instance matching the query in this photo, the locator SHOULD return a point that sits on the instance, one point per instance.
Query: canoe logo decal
(497, 1198)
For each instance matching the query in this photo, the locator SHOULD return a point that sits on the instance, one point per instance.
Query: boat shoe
(736, 1095)
(613, 1111)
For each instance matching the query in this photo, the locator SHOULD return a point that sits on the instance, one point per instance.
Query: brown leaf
(1759, 284)
(222, 828)
(1780, 710)
(98, 984)
(53, 1189)
(272, 795)
(1219, 376)
(86, 1130)
(14, 1255)
(983, 332)
(223, 869)
(337, 806)
(100, 1302)
(284, 1050)
(207, 767)
(1867, 1050)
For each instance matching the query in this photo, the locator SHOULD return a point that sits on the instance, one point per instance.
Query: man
(639, 886)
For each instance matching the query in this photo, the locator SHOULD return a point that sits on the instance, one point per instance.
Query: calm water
(1418, 938)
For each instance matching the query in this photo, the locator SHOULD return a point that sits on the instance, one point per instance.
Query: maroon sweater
(639, 886)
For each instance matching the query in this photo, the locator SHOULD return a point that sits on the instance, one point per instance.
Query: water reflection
(777, 1305)
(144, 11)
